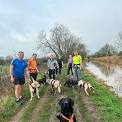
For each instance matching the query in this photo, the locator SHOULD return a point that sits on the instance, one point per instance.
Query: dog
(70, 81)
(66, 114)
(43, 80)
(86, 86)
(34, 88)
(55, 84)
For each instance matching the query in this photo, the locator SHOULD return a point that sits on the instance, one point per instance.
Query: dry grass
(110, 59)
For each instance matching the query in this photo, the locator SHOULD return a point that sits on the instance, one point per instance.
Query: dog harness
(31, 83)
(68, 119)
(52, 82)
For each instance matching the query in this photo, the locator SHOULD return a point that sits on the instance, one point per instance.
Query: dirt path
(53, 109)
(76, 108)
(91, 108)
(38, 108)
(17, 117)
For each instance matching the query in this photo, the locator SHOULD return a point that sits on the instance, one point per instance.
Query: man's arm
(27, 72)
(48, 65)
(37, 66)
(37, 69)
(11, 73)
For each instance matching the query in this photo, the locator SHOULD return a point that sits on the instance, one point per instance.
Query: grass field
(104, 104)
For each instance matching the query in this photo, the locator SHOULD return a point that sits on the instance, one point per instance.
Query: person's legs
(34, 75)
(21, 87)
(71, 70)
(60, 70)
(68, 70)
(50, 73)
(21, 91)
(76, 72)
(17, 94)
(56, 70)
(53, 73)
(79, 73)
(17, 88)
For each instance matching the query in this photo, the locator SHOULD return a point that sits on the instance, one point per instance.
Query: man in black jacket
(60, 64)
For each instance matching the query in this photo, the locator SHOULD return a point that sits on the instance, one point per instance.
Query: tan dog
(34, 88)
(86, 86)
(55, 84)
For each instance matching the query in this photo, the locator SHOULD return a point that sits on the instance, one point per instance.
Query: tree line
(109, 49)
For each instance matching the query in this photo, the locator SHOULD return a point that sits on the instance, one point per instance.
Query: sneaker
(17, 100)
(21, 97)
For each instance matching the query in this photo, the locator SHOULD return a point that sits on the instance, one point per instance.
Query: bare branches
(118, 42)
(61, 41)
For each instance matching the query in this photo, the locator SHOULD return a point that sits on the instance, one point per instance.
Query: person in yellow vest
(77, 62)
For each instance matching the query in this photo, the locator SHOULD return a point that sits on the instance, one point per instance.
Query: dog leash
(32, 86)
(68, 119)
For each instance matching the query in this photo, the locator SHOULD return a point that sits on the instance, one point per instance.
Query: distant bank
(110, 59)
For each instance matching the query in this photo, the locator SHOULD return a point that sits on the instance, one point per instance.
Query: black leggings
(60, 70)
(56, 70)
(70, 69)
(52, 73)
(34, 75)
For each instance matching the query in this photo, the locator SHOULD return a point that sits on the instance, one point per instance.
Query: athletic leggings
(34, 75)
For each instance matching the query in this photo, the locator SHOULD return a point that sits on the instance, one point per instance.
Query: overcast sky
(96, 21)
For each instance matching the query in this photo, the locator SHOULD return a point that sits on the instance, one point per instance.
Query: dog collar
(52, 82)
(68, 119)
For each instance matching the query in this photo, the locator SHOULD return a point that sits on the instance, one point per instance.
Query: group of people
(19, 68)
(74, 65)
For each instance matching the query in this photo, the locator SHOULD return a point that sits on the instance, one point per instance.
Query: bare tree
(118, 43)
(43, 42)
(61, 41)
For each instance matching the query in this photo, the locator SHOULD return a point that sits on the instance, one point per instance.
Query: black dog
(43, 80)
(66, 114)
(70, 82)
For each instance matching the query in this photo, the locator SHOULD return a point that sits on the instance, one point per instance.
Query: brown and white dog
(55, 84)
(34, 88)
(86, 86)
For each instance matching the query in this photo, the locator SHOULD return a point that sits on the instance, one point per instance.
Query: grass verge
(28, 112)
(44, 115)
(10, 107)
(106, 102)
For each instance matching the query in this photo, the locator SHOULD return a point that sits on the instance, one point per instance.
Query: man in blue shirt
(18, 68)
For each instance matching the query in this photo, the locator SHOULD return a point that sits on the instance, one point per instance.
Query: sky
(97, 21)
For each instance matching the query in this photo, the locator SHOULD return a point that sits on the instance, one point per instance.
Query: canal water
(110, 74)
